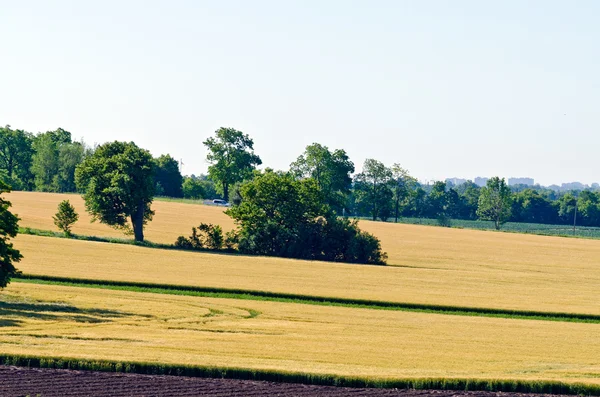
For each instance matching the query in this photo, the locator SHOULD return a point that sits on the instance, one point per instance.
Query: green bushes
(284, 217)
(205, 236)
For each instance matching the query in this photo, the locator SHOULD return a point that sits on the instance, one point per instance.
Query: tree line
(47, 162)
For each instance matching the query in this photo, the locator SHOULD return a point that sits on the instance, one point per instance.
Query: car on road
(221, 203)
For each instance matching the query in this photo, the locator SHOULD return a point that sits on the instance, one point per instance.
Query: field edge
(199, 371)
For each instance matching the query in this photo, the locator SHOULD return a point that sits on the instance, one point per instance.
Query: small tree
(8, 228)
(495, 202)
(66, 217)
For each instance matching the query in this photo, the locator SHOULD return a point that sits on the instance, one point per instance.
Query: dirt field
(49, 383)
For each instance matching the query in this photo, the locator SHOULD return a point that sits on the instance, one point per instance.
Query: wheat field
(537, 286)
(88, 323)
(407, 245)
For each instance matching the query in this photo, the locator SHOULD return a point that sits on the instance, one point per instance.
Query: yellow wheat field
(171, 220)
(117, 325)
(408, 245)
(536, 285)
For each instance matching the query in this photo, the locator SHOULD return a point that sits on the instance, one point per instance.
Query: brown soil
(16, 381)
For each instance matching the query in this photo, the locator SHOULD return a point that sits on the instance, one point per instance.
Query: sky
(451, 88)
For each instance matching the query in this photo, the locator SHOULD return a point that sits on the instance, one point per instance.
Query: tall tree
(15, 156)
(168, 176)
(372, 188)
(330, 170)
(118, 185)
(401, 183)
(495, 202)
(8, 229)
(232, 158)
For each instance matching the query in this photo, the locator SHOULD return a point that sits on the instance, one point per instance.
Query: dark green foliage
(65, 217)
(232, 158)
(373, 189)
(15, 157)
(54, 161)
(8, 229)
(282, 216)
(205, 236)
(198, 187)
(330, 170)
(168, 177)
(118, 181)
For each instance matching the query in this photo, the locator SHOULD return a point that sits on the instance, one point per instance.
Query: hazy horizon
(446, 89)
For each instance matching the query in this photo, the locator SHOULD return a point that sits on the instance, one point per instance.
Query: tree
(118, 184)
(372, 187)
(283, 216)
(495, 202)
(401, 183)
(330, 170)
(198, 187)
(232, 158)
(168, 176)
(65, 217)
(438, 203)
(8, 229)
(54, 161)
(15, 157)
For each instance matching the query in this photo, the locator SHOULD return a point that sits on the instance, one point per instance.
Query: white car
(221, 203)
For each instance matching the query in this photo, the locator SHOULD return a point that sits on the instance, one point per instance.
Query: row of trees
(47, 161)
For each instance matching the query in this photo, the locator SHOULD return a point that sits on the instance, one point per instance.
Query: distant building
(520, 181)
(573, 186)
(479, 181)
(455, 181)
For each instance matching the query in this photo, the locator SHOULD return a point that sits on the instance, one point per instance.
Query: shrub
(205, 236)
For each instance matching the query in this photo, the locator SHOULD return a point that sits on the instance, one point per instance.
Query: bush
(66, 217)
(205, 236)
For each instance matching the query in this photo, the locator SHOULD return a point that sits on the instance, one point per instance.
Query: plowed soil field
(51, 382)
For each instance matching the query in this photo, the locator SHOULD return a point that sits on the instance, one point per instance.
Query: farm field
(535, 286)
(427, 265)
(406, 245)
(87, 323)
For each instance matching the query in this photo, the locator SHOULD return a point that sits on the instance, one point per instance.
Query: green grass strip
(306, 299)
(199, 371)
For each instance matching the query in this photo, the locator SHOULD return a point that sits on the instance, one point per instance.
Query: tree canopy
(330, 170)
(283, 216)
(232, 158)
(118, 185)
(8, 229)
(495, 202)
(168, 177)
(15, 157)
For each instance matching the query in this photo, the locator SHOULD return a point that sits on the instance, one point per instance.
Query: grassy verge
(307, 299)
(148, 368)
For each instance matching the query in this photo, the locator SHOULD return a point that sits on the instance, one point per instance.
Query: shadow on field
(13, 313)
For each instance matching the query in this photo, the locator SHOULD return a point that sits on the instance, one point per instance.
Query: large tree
(8, 228)
(283, 216)
(118, 185)
(15, 156)
(401, 183)
(373, 188)
(232, 158)
(495, 202)
(330, 170)
(168, 177)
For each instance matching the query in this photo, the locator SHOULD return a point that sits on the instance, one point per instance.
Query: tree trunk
(226, 192)
(137, 220)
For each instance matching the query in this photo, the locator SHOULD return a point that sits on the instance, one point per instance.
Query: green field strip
(306, 299)
(199, 371)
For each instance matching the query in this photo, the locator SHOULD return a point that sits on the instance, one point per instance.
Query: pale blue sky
(446, 88)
